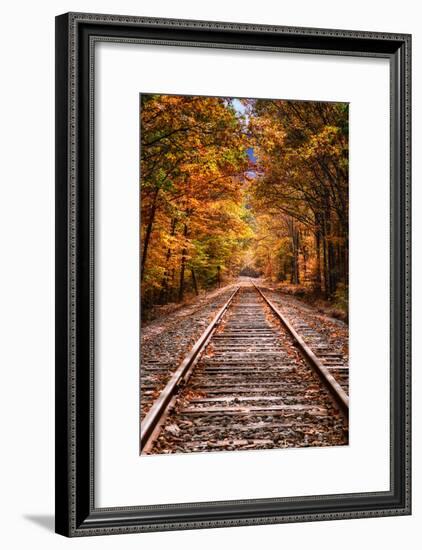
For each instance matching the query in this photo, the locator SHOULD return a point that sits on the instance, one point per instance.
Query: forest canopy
(235, 187)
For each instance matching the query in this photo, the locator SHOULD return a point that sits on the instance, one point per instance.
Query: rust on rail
(330, 382)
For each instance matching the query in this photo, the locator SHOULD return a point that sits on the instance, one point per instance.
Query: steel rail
(328, 379)
(162, 403)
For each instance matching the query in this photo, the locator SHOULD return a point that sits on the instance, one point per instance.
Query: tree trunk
(305, 262)
(297, 248)
(148, 233)
(327, 289)
(165, 280)
(318, 254)
(331, 266)
(183, 265)
(294, 235)
(195, 286)
(346, 260)
(172, 289)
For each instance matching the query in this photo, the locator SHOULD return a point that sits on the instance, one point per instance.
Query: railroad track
(249, 382)
(329, 353)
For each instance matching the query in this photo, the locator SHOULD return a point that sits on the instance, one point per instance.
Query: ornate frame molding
(76, 36)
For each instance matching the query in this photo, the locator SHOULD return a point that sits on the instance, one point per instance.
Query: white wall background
(27, 274)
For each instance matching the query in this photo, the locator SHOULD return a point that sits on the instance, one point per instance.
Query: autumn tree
(242, 186)
(302, 187)
(193, 157)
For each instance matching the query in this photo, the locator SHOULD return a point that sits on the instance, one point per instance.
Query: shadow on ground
(45, 521)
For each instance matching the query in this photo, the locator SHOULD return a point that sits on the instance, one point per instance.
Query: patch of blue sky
(251, 154)
(238, 106)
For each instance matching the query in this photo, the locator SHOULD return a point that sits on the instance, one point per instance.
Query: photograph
(244, 274)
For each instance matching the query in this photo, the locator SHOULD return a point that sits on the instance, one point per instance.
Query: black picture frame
(76, 513)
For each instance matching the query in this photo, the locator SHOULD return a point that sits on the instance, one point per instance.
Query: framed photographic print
(232, 274)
